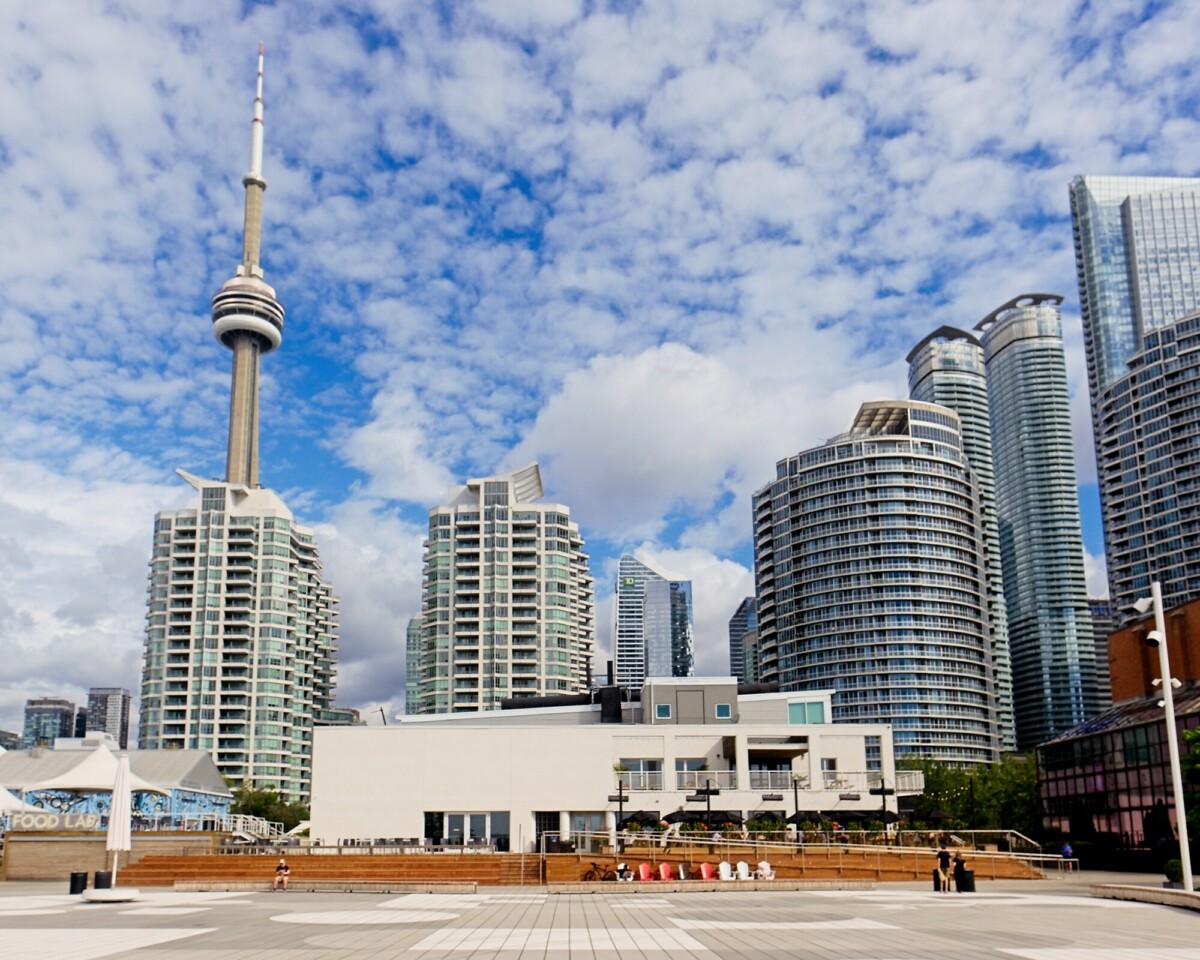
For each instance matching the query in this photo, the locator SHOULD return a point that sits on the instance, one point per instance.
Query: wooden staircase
(881, 864)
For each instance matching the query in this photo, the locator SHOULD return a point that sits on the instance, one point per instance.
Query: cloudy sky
(654, 246)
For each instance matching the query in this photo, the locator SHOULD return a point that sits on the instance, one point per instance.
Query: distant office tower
(47, 719)
(1137, 250)
(412, 665)
(741, 623)
(947, 368)
(509, 608)
(751, 665)
(242, 627)
(108, 710)
(10, 740)
(870, 573)
(653, 628)
(1037, 502)
(81, 727)
(1104, 624)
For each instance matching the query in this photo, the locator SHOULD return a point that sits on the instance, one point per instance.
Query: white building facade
(509, 777)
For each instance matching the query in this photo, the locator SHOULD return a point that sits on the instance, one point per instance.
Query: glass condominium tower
(1037, 506)
(509, 606)
(654, 625)
(1137, 252)
(870, 574)
(947, 368)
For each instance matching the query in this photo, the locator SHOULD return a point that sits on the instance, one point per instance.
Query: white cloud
(659, 246)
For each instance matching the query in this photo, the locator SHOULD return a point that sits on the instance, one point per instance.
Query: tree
(258, 802)
(1003, 795)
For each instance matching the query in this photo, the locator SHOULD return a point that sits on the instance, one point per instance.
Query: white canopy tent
(97, 771)
(13, 804)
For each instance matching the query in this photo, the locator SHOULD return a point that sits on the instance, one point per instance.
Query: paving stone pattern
(1041, 920)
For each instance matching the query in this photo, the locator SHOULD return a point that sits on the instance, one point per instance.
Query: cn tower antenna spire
(246, 316)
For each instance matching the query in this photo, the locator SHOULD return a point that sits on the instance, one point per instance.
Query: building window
(662, 711)
(806, 712)
(724, 711)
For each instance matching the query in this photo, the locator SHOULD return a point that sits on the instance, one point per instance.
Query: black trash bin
(78, 882)
(937, 880)
(966, 884)
(103, 880)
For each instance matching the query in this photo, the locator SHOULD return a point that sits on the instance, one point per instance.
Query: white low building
(508, 777)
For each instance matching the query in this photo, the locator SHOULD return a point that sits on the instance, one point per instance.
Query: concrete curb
(1189, 900)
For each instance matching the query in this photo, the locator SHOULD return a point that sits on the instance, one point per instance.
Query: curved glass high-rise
(870, 573)
(947, 368)
(1037, 505)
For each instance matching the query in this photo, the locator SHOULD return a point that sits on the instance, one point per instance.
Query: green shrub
(1174, 871)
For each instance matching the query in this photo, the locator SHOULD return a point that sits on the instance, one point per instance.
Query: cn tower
(247, 317)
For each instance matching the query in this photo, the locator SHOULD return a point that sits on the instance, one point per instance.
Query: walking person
(943, 869)
(960, 873)
(282, 872)
(1068, 855)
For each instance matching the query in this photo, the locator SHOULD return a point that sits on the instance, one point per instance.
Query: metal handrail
(657, 845)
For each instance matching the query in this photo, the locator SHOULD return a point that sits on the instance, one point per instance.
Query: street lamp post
(883, 791)
(796, 797)
(1158, 638)
(619, 799)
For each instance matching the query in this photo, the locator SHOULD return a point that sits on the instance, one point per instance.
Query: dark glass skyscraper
(741, 623)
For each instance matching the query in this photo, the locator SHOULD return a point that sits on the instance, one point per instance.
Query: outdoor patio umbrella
(683, 816)
(120, 815)
(938, 815)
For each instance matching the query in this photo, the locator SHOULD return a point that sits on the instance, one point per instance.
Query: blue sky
(654, 246)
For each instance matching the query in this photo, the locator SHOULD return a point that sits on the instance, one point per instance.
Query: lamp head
(1154, 638)
(1143, 605)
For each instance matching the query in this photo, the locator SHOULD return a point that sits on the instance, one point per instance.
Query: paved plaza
(1037, 920)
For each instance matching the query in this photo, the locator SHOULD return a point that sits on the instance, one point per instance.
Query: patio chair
(765, 872)
(743, 871)
(645, 871)
(665, 872)
(725, 870)
(683, 871)
(708, 871)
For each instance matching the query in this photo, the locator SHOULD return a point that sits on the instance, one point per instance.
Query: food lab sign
(54, 821)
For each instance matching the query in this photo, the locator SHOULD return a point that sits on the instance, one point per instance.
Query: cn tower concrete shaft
(246, 316)
(241, 460)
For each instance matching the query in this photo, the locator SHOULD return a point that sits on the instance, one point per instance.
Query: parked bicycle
(598, 872)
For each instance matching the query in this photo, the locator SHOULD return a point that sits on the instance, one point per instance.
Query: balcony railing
(775, 780)
(640, 779)
(697, 779)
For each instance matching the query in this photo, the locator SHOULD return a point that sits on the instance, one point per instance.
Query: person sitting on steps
(282, 872)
